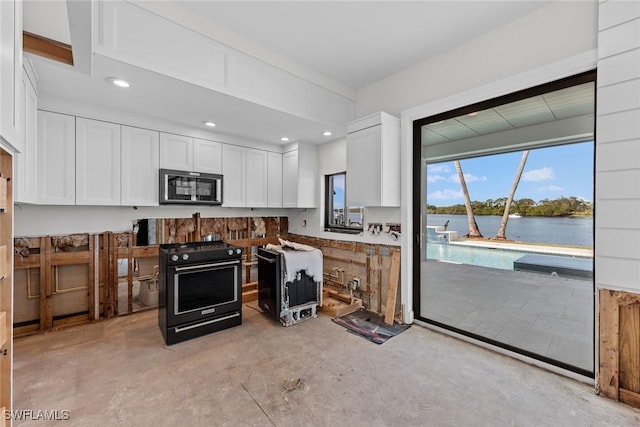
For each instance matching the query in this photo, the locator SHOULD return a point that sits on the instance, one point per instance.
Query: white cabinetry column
(10, 71)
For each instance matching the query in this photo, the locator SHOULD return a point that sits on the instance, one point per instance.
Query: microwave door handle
(166, 188)
(219, 190)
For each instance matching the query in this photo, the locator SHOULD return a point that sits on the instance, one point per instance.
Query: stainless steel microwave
(187, 188)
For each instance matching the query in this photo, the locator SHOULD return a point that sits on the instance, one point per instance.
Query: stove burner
(181, 253)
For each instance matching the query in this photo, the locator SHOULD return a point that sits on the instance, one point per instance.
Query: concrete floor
(119, 373)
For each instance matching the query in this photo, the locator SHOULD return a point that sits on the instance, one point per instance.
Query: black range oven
(200, 289)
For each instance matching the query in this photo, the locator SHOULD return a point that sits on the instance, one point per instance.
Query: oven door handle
(219, 319)
(264, 258)
(203, 266)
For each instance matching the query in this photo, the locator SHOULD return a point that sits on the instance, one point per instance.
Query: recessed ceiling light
(209, 123)
(284, 139)
(475, 113)
(120, 82)
(327, 133)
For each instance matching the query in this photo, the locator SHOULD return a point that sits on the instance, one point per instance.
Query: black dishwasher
(287, 302)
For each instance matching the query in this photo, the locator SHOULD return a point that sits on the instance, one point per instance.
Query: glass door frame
(417, 225)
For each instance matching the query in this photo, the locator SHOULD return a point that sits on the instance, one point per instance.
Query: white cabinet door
(363, 167)
(97, 162)
(257, 178)
(373, 161)
(140, 164)
(274, 180)
(234, 166)
(25, 182)
(290, 179)
(56, 159)
(299, 178)
(207, 156)
(176, 152)
(11, 71)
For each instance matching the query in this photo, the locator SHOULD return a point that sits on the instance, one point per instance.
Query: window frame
(329, 225)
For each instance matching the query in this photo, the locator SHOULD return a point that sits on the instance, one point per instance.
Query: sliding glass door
(505, 214)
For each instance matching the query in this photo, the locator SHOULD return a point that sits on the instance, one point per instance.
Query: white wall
(618, 147)
(544, 36)
(552, 42)
(332, 158)
(32, 220)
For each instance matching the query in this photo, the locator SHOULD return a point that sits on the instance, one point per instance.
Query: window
(338, 216)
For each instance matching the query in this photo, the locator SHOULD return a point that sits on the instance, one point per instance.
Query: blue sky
(550, 173)
(338, 186)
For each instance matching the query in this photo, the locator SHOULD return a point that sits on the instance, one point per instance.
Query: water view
(550, 230)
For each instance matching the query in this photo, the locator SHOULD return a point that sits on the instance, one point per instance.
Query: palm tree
(505, 216)
(474, 231)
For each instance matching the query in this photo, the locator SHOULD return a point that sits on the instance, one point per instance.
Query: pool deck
(544, 314)
(534, 248)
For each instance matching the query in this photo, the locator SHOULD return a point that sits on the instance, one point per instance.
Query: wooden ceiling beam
(47, 48)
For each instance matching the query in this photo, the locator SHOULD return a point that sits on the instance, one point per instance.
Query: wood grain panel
(629, 357)
(47, 48)
(609, 327)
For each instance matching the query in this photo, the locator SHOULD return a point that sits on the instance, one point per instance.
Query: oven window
(196, 290)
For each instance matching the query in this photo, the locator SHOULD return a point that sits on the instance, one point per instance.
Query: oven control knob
(174, 258)
(185, 256)
(230, 251)
(238, 251)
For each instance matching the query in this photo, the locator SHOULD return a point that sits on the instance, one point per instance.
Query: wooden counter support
(394, 278)
(4, 268)
(619, 369)
(3, 329)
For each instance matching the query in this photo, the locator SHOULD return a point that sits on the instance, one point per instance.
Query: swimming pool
(483, 257)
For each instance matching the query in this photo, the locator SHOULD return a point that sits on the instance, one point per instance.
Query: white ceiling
(566, 103)
(354, 43)
(358, 43)
(173, 101)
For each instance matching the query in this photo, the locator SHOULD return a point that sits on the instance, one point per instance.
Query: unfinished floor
(119, 373)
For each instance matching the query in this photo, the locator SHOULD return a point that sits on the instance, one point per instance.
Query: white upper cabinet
(98, 174)
(373, 161)
(234, 172)
(11, 72)
(207, 156)
(56, 159)
(140, 164)
(176, 152)
(257, 178)
(274, 180)
(190, 154)
(299, 180)
(25, 164)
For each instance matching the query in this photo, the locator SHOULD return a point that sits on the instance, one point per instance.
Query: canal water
(555, 231)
